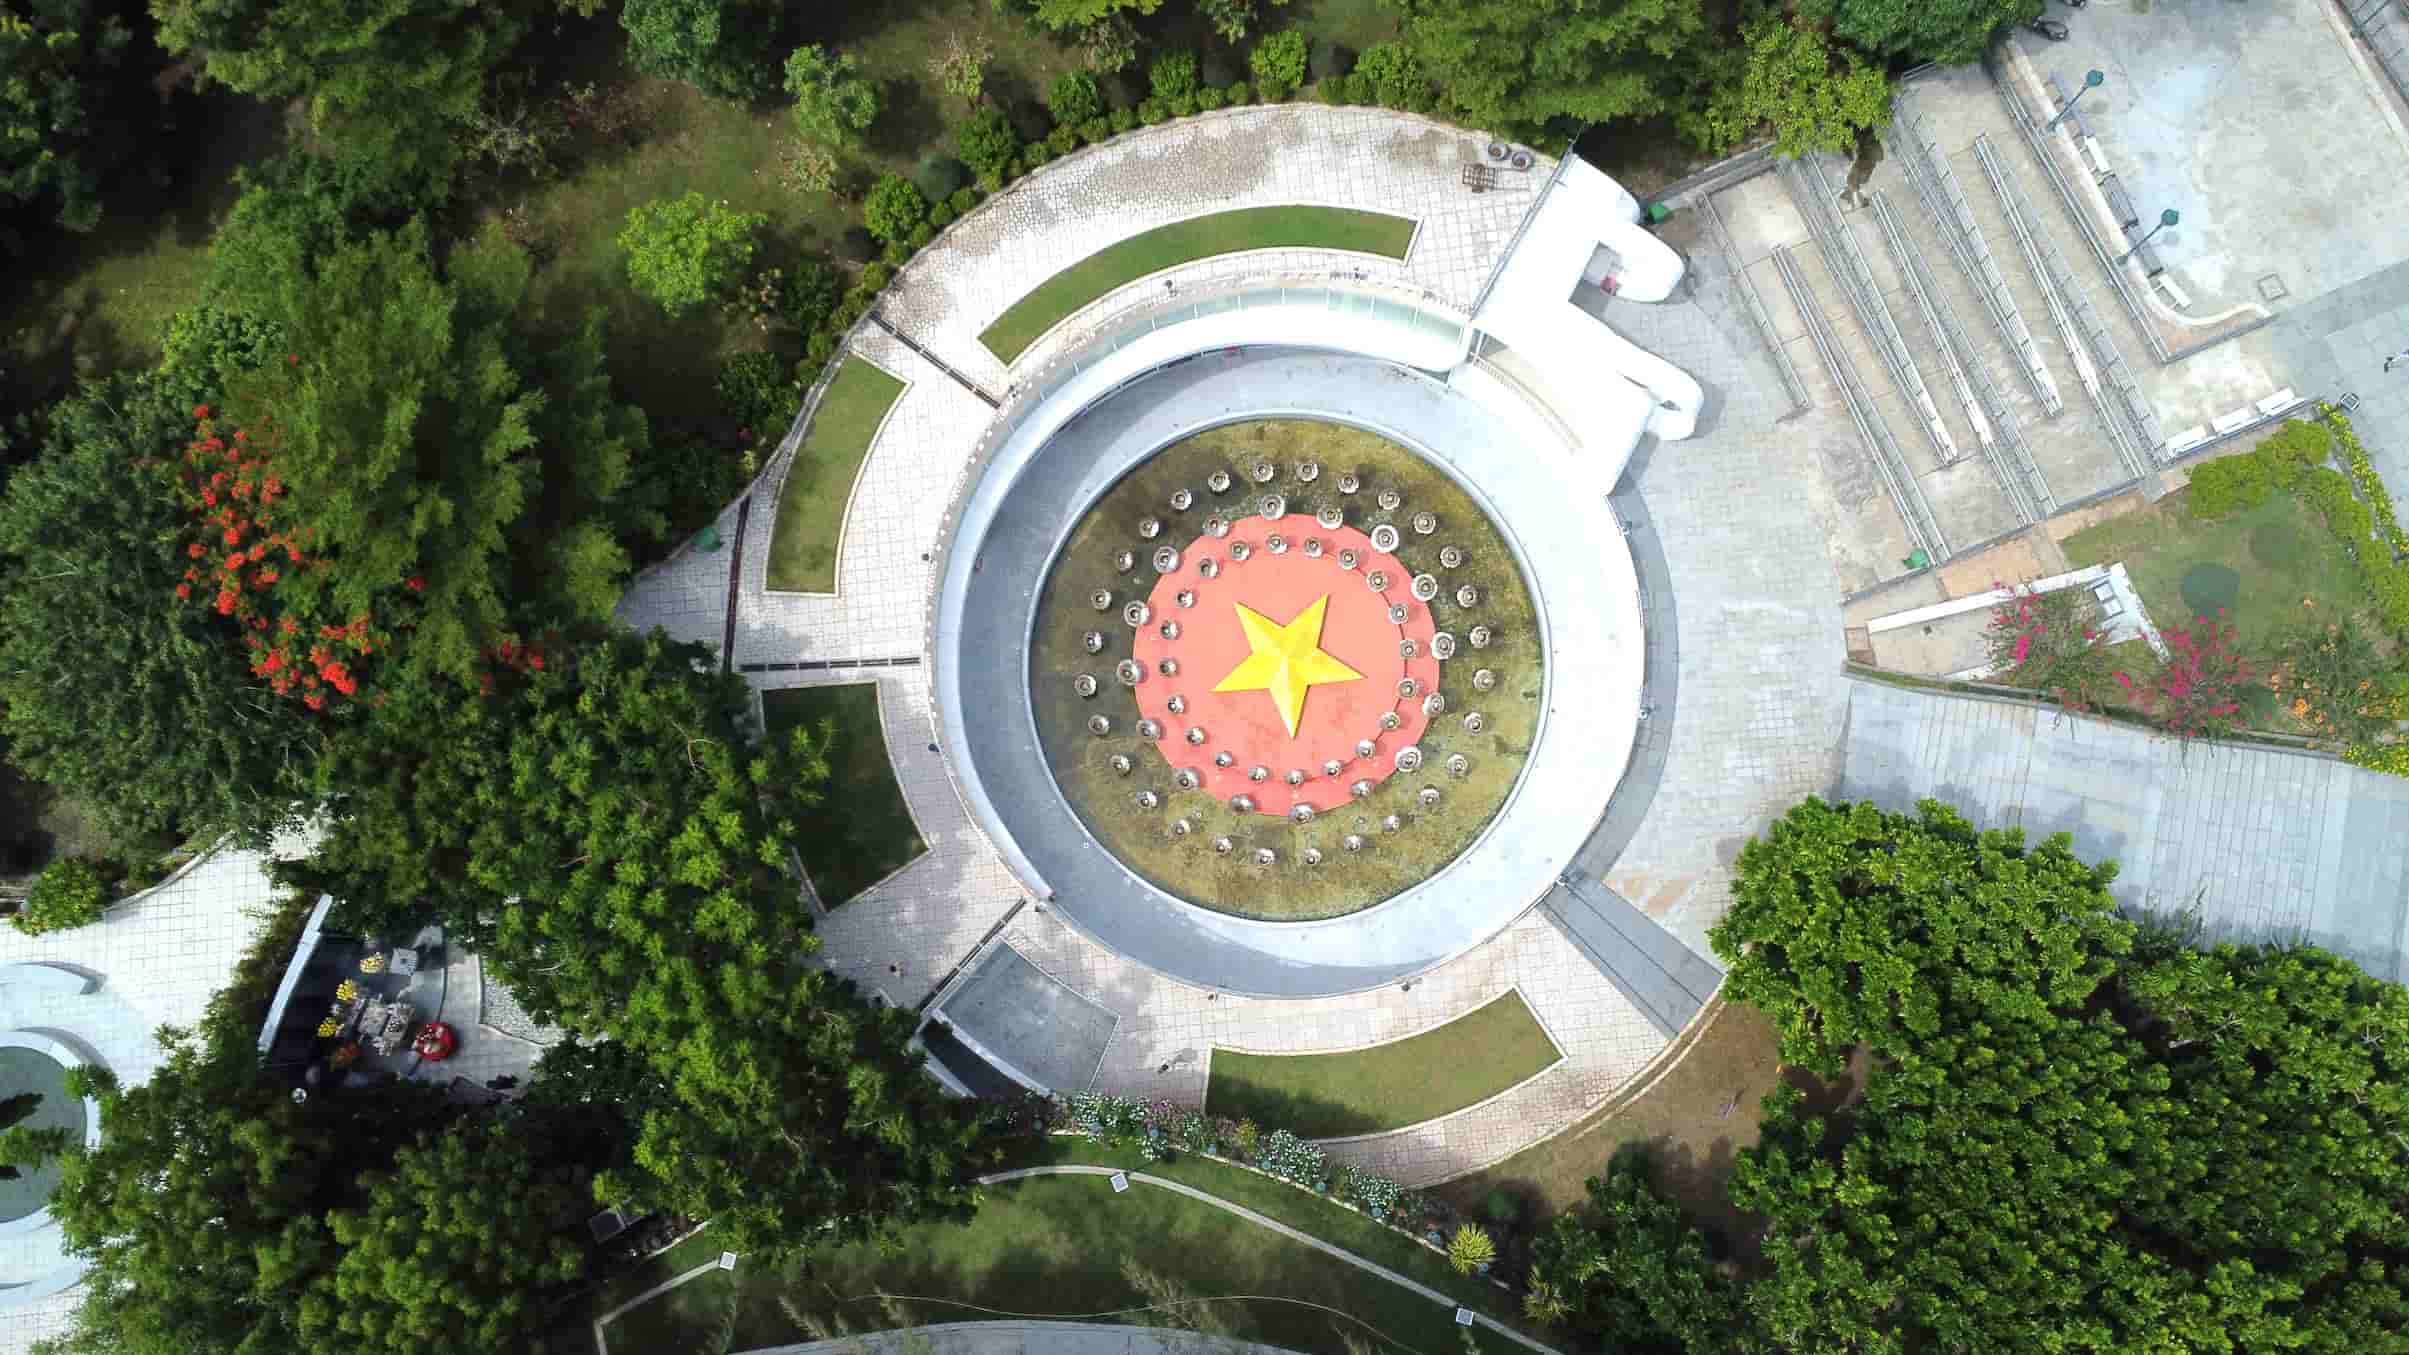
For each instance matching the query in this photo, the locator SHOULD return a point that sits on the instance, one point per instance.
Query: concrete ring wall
(1059, 452)
(66, 1050)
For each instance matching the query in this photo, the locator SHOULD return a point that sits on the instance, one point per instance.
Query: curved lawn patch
(1182, 242)
(862, 831)
(811, 504)
(1389, 1086)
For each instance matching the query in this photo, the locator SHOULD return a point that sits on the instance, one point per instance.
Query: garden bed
(819, 483)
(862, 830)
(1386, 1086)
(1297, 227)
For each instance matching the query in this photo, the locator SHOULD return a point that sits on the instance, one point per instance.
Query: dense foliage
(719, 46)
(1530, 67)
(69, 893)
(57, 59)
(1950, 31)
(1631, 1271)
(685, 251)
(110, 688)
(2076, 1133)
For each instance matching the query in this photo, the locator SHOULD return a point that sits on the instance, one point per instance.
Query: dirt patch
(1695, 1120)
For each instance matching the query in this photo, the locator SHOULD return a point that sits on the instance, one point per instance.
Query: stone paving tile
(1762, 706)
(1249, 157)
(901, 936)
(686, 594)
(884, 575)
(1168, 1031)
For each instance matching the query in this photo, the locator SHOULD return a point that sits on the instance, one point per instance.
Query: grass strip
(811, 504)
(1298, 227)
(1389, 1086)
(862, 831)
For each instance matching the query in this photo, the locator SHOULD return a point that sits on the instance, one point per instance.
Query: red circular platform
(1212, 642)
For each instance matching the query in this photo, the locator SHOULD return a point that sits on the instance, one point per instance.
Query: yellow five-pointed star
(1287, 660)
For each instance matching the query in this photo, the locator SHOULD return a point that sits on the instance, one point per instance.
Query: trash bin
(1920, 559)
(1657, 212)
(707, 538)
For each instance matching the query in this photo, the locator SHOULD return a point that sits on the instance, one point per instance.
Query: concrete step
(1665, 979)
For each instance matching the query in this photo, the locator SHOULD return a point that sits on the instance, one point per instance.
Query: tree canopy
(1953, 32)
(57, 61)
(140, 708)
(1529, 67)
(1790, 76)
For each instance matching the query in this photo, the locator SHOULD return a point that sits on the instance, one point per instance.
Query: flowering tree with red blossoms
(245, 563)
(2050, 642)
(2198, 694)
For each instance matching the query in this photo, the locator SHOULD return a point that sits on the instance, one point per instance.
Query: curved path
(1292, 1234)
(1020, 1338)
(1750, 586)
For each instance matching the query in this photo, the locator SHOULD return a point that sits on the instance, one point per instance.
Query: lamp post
(2091, 80)
(2165, 219)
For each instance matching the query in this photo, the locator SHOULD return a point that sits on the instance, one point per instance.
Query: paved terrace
(2260, 844)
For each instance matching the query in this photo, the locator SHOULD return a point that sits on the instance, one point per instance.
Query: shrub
(1173, 76)
(719, 47)
(1292, 1159)
(2198, 694)
(937, 175)
(1330, 60)
(960, 66)
(1332, 90)
(1279, 62)
(942, 215)
(834, 101)
(988, 143)
(922, 234)
(2050, 642)
(1470, 1249)
(756, 390)
(1208, 99)
(1062, 140)
(1038, 153)
(68, 894)
(1247, 1139)
(1390, 75)
(1124, 120)
(2334, 682)
(1151, 110)
(1075, 97)
(874, 278)
(682, 252)
(963, 200)
(1238, 93)
(1096, 129)
(893, 208)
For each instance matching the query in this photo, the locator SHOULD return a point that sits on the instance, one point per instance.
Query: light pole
(2165, 219)
(2091, 80)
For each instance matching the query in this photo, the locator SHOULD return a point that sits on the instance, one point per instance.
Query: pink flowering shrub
(2051, 643)
(2198, 694)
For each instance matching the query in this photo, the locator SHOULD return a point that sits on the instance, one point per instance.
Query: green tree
(1790, 77)
(1952, 32)
(1632, 1272)
(645, 842)
(1853, 926)
(682, 252)
(834, 101)
(456, 1247)
(57, 58)
(1529, 67)
(67, 894)
(721, 47)
(390, 77)
(1279, 62)
(1232, 19)
(1066, 15)
(987, 143)
(895, 208)
(139, 708)
(1073, 98)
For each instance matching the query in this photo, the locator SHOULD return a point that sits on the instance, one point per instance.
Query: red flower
(314, 701)
(536, 662)
(418, 583)
(194, 550)
(200, 411)
(266, 577)
(225, 604)
(233, 534)
(184, 590)
(292, 359)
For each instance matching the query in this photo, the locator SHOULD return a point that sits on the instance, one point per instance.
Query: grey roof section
(1019, 1018)
(1026, 1338)
(2260, 844)
(1665, 979)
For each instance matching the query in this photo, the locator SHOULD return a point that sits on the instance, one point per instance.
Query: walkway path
(2260, 843)
(1026, 1338)
(1292, 1234)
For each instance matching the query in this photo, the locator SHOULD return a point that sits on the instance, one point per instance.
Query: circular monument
(1289, 728)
